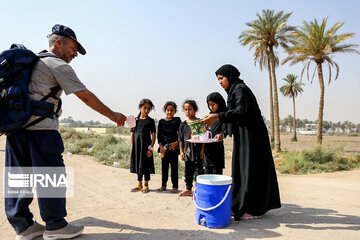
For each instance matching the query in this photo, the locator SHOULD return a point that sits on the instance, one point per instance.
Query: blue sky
(169, 50)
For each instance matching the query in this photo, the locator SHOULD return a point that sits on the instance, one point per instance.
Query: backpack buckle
(5, 63)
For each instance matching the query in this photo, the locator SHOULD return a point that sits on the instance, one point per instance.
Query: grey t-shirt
(47, 73)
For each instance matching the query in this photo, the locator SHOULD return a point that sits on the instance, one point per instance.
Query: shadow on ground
(290, 215)
(296, 217)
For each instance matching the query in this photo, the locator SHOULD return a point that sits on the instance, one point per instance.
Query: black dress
(193, 161)
(255, 187)
(214, 153)
(168, 133)
(140, 163)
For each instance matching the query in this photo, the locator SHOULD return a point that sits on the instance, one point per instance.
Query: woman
(255, 188)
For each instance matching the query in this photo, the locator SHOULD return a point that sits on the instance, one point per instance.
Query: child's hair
(170, 103)
(146, 101)
(192, 103)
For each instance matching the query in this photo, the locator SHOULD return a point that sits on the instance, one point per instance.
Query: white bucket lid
(214, 179)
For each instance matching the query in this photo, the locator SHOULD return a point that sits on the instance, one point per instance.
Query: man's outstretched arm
(92, 101)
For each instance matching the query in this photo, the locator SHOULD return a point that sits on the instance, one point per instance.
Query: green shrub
(106, 149)
(317, 159)
(118, 130)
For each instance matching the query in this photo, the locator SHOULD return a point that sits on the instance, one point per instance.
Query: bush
(118, 130)
(106, 149)
(317, 159)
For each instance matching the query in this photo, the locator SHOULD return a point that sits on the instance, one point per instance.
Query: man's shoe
(31, 232)
(70, 231)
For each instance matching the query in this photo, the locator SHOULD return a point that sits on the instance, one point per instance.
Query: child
(168, 142)
(214, 154)
(142, 142)
(191, 153)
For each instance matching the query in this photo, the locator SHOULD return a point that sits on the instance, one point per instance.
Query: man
(41, 145)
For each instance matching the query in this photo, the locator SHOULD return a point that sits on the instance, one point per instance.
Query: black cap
(62, 30)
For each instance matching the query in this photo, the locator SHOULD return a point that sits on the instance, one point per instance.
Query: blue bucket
(213, 200)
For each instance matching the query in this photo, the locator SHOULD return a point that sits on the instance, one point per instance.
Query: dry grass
(350, 144)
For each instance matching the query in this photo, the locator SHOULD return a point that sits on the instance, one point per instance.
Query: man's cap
(62, 30)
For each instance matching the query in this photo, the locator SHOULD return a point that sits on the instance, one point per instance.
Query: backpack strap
(52, 94)
(53, 90)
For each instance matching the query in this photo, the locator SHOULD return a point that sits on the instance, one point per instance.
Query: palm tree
(291, 89)
(313, 43)
(262, 56)
(267, 32)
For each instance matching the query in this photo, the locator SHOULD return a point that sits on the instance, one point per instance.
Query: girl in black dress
(168, 145)
(255, 187)
(143, 137)
(191, 153)
(214, 154)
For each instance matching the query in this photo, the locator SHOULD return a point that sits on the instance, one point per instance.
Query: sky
(170, 50)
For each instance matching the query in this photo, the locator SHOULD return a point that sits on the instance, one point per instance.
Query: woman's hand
(210, 118)
(219, 137)
(172, 146)
(182, 156)
(149, 153)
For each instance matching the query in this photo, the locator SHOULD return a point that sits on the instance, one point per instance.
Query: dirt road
(321, 206)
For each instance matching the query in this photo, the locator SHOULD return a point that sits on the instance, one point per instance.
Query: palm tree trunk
(271, 106)
(321, 104)
(276, 103)
(294, 139)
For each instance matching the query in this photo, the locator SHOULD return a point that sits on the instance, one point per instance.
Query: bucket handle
(214, 207)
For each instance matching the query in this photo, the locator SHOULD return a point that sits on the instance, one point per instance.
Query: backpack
(16, 107)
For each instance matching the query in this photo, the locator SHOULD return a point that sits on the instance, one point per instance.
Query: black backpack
(16, 107)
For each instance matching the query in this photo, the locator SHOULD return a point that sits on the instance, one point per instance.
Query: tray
(211, 140)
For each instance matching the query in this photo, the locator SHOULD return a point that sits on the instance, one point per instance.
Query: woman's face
(224, 82)
(213, 106)
(189, 110)
(170, 112)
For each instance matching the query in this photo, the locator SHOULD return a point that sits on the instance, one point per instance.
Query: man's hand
(118, 118)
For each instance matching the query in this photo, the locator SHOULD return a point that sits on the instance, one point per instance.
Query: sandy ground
(321, 206)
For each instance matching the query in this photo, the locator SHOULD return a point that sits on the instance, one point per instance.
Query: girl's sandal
(145, 189)
(162, 189)
(186, 193)
(174, 190)
(136, 189)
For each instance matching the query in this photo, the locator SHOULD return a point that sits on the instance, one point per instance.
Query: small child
(168, 144)
(191, 153)
(142, 142)
(214, 154)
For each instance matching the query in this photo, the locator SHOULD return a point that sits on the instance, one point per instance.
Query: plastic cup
(130, 121)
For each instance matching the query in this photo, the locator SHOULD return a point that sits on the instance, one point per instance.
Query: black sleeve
(160, 133)
(241, 106)
(181, 134)
(216, 127)
(152, 126)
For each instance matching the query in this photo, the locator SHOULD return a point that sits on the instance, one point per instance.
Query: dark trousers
(172, 159)
(192, 170)
(37, 149)
(146, 177)
(213, 170)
